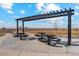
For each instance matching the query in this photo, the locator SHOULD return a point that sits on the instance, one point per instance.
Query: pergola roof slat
(44, 17)
(51, 14)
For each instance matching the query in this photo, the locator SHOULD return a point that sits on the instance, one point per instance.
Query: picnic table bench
(50, 39)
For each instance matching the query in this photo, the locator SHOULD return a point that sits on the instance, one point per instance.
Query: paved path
(5, 37)
(10, 46)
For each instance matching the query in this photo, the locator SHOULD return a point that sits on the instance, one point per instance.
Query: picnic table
(22, 35)
(41, 34)
(50, 39)
(53, 40)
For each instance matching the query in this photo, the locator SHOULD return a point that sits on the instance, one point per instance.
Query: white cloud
(76, 7)
(52, 7)
(22, 11)
(7, 6)
(40, 6)
(47, 7)
(9, 11)
(1, 22)
(76, 13)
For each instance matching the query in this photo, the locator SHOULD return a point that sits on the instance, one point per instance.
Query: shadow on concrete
(74, 44)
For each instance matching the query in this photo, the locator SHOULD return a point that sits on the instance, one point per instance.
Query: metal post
(69, 29)
(23, 27)
(17, 28)
(48, 40)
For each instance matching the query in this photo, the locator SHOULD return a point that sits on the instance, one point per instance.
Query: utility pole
(55, 24)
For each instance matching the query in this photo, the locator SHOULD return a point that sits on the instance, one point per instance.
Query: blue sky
(11, 11)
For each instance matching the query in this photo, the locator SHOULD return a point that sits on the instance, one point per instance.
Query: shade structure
(53, 14)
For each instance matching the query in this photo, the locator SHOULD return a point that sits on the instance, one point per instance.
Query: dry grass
(57, 32)
(1, 34)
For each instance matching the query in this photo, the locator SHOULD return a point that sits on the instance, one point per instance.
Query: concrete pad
(10, 46)
(73, 50)
(9, 53)
(33, 53)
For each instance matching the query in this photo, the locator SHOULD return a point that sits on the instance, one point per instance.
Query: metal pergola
(66, 12)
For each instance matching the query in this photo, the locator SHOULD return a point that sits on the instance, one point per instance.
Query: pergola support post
(69, 29)
(17, 27)
(23, 27)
